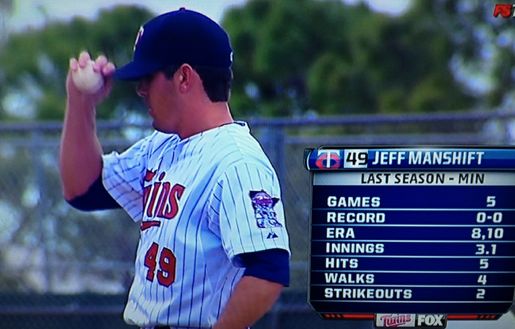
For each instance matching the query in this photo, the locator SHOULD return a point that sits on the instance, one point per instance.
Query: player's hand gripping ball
(86, 79)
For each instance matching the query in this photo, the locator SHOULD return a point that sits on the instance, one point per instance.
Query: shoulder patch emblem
(263, 205)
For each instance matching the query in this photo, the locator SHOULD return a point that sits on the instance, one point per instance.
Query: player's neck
(205, 118)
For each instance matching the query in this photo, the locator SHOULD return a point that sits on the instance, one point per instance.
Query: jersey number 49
(166, 271)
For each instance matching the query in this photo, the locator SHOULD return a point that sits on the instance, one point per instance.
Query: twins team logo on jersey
(263, 205)
(161, 199)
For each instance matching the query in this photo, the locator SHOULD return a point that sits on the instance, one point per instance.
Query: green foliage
(38, 60)
(41, 235)
(293, 56)
(483, 49)
(335, 83)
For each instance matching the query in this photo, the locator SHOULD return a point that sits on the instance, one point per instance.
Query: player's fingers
(108, 69)
(74, 64)
(104, 66)
(100, 62)
(84, 58)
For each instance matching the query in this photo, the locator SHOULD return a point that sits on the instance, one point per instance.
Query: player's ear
(184, 77)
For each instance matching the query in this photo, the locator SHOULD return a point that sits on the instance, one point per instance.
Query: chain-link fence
(62, 268)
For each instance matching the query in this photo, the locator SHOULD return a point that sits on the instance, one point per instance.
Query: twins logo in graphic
(328, 159)
(263, 205)
(410, 321)
(395, 320)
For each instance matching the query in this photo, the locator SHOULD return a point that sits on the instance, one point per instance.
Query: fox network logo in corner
(504, 10)
(426, 321)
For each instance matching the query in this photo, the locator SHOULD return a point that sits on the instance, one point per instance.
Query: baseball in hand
(87, 80)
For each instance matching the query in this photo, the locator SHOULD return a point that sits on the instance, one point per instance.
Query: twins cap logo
(263, 205)
(138, 37)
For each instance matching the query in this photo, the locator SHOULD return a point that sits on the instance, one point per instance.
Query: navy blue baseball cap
(175, 38)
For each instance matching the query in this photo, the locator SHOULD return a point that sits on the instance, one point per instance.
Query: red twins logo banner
(395, 320)
(383, 320)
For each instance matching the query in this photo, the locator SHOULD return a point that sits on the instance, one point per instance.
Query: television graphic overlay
(412, 236)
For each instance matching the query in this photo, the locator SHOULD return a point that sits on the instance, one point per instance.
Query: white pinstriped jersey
(200, 202)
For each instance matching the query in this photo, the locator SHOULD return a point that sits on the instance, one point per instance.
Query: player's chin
(156, 126)
(160, 128)
(155, 122)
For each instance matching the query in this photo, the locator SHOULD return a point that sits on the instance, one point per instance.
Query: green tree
(33, 64)
(40, 234)
(484, 56)
(326, 56)
(49, 235)
(292, 57)
(411, 65)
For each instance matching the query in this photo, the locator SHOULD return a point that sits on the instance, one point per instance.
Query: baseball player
(213, 249)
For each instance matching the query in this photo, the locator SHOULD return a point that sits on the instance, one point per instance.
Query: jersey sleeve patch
(246, 211)
(263, 205)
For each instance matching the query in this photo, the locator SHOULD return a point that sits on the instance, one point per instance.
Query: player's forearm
(81, 153)
(250, 300)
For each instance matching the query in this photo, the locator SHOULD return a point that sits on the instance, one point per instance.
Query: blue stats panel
(412, 248)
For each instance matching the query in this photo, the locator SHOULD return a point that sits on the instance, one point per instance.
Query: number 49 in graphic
(354, 158)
